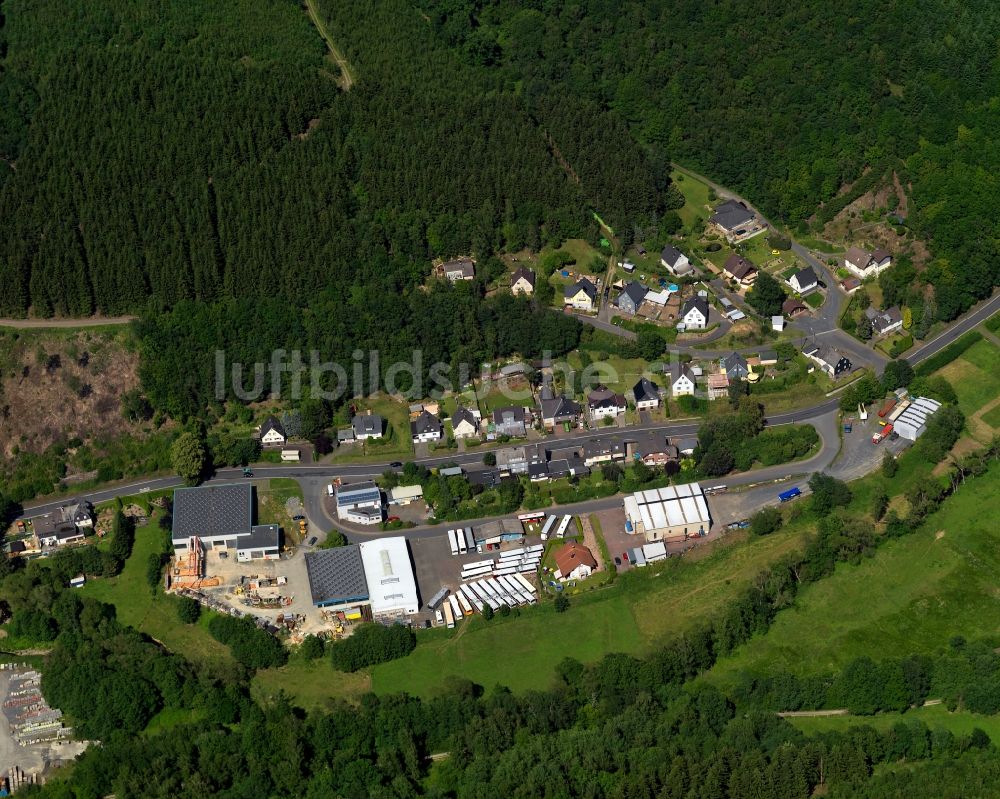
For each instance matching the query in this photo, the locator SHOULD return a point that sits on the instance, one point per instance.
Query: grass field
(992, 418)
(311, 685)
(915, 594)
(271, 498)
(637, 611)
(696, 194)
(151, 611)
(394, 444)
(975, 376)
(959, 723)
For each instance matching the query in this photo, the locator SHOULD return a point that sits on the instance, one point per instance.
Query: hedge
(948, 354)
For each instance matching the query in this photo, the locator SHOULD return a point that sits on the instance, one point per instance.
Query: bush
(828, 493)
(311, 647)
(188, 610)
(900, 345)
(370, 644)
(334, 539)
(562, 602)
(250, 645)
(948, 354)
(765, 521)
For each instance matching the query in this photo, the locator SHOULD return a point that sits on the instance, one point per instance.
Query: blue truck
(790, 494)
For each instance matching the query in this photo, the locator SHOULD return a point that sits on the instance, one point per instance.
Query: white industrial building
(404, 495)
(913, 421)
(392, 586)
(668, 513)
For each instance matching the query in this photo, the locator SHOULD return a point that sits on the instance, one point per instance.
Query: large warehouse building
(376, 576)
(672, 513)
(912, 422)
(222, 517)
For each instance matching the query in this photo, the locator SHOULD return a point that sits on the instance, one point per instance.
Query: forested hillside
(160, 152)
(788, 102)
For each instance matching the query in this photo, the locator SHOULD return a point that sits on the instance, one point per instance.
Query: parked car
(299, 517)
(625, 557)
(618, 561)
(312, 541)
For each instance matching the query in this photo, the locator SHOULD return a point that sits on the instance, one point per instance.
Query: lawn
(150, 610)
(992, 418)
(396, 442)
(814, 300)
(695, 193)
(271, 498)
(975, 376)
(638, 610)
(915, 594)
(959, 723)
(618, 374)
(311, 685)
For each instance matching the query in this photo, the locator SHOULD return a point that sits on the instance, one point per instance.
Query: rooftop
(336, 575)
(212, 510)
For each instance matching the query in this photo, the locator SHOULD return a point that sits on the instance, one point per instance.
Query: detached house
(735, 367)
(694, 313)
(522, 281)
(740, 269)
(557, 410)
(804, 280)
(272, 434)
(885, 322)
(581, 296)
(459, 269)
(631, 297)
(574, 562)
(675, 261)
(735, 221)
(368, 425)
(646, 394)
(864, 263)
(65, 525)
(511, 421)
(465, 423)
(829, 360)
(682, 380)
(793, 308)
(602, 403)
(425, 427)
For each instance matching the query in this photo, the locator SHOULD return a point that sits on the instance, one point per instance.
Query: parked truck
(885, 432)
(790, 494)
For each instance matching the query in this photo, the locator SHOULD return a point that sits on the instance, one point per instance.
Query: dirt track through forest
(346, 79)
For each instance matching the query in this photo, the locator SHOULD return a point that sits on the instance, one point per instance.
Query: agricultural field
(632, 615)
(151, 611)
(912, 596)
(975, 376)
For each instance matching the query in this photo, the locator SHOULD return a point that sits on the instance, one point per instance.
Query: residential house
(487, 478)
(864, 263)
(574, 562)
(425, 427)
(651, 448)
(675, 261)
(272, 434)
(681, 380)
(581, 296)
(522, 281)
(658, 298)
(735, 221)
(694, 313)
(631, 297)
(465, 423)
(603, 449)
(646, 394)
(734, 366)
(768, 357)
(718, 386)
(367, 425)
(511, 421)
(686, 446)
(885, 322)
(740, 269)
(829, 360)
(459, 269)
(512, 460)
(804, 280)
(793, 308)
(602, 403)
(557, 410)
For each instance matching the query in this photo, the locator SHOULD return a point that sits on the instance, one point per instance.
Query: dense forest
(154, 153)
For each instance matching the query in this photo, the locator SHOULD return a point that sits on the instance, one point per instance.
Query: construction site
(33, 738)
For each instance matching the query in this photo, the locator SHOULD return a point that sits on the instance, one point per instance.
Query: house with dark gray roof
(885, 322)
(602, 402)
(631, 297)
(557, 410)
(459, 269)
(464, 423)
(673, 259)
(735, 367)
(694, 313)
(681, 380)
(425, 427)
(522, 281)
(367, 425)
(831, 361)
(740, 269)
(735, 221)
(581, 295)
(272, 433)
(804, 280)
(646, 394)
